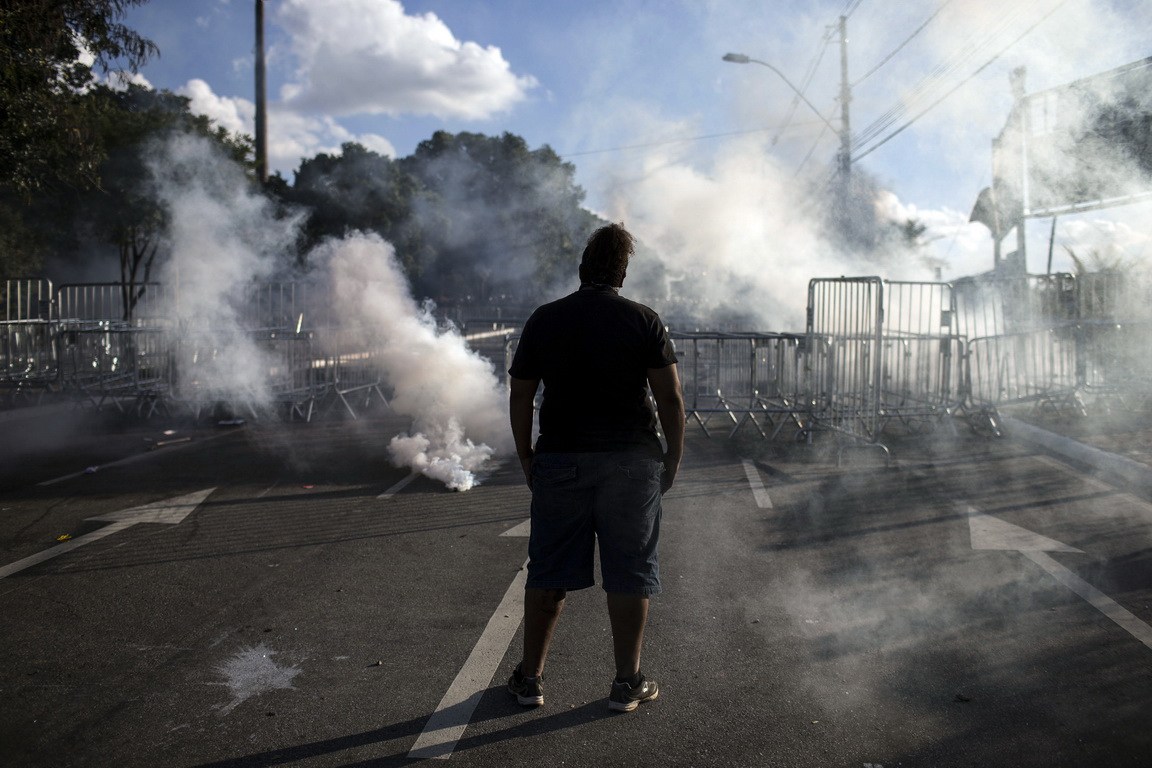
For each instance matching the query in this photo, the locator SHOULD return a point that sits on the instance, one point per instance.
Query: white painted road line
(399, 486)
(61, 549)
(763, 500)
(452, 715)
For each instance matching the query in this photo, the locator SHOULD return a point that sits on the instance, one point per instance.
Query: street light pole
(261, 99)
(739, 58)
(845, 97)
(844, 157)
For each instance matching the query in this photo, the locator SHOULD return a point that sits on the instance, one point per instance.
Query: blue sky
(700, 156)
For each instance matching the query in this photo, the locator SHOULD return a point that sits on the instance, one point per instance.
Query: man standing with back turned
(598, 470)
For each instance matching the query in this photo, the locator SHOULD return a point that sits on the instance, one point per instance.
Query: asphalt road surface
(270, 595)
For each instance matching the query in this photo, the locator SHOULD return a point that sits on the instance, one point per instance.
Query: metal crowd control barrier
(874, 352)
(288, 305)
(1116, 363)
(743, 377)
(346, 370)
(921, 355)
(127, 368)
(81, 305)
(1115, 324)
(1035, 365)
(27, 299)
(28, 364)
(279, 372)
(1021, 335)
(845, 333)
(994, 306)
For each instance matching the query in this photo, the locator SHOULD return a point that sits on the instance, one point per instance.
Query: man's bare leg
(542, 609)
(628, 615)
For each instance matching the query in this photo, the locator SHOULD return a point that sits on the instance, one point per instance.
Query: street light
(739, 58)
(845, 155)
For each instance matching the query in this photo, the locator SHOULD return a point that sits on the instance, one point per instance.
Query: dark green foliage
(473, 218)
(50, 135)
(46, 123)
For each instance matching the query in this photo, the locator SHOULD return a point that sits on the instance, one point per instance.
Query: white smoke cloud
(451, 393)
(371, 57)
(724, 233)
(735, 216)
(221, 237)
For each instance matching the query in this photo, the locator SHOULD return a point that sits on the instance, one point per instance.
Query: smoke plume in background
(222, 238)
(741, 221)
(451, 392)
(737, 216)
(739, 243)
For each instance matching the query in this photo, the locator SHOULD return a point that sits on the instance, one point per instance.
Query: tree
(45, 121)
(121, 211)
(503, 220)
(358, 190)
(472, 217)
(48, 133)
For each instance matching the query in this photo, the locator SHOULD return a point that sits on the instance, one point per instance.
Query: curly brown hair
(606, 255)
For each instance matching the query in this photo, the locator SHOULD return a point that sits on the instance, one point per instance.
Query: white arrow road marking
(454, 711)
(399, 486)
(763, 500)
(1106, 605)
(988, 532)
(523, 529)
(169, 512)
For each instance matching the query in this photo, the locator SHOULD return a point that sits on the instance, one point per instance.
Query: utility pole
(845, 98)
(1021, 114)
(261, 99)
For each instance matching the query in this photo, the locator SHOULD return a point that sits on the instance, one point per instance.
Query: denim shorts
(581, 498)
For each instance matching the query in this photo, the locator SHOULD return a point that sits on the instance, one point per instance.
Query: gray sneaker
(626, 697)
(529, 691)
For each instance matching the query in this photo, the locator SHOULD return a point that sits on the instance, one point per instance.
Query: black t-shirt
(592, 349)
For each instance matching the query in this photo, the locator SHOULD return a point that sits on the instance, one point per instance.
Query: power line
(977, 42)
(894, 113)
(808, 77)
(984, 66)
(900, 47)
(851, 7)
(664, 142)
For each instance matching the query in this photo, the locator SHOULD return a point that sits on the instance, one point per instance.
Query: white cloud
(291, 136)
(235, 114)
(370, 57)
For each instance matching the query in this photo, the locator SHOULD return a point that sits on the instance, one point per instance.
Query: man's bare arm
(521, 400)
(665, 384)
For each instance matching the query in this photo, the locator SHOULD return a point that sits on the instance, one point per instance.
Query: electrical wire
(807, 81)
(851, 7)
(893, 114)
(665, 142)
(977, 43)
(900, 47)
(985, 65)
